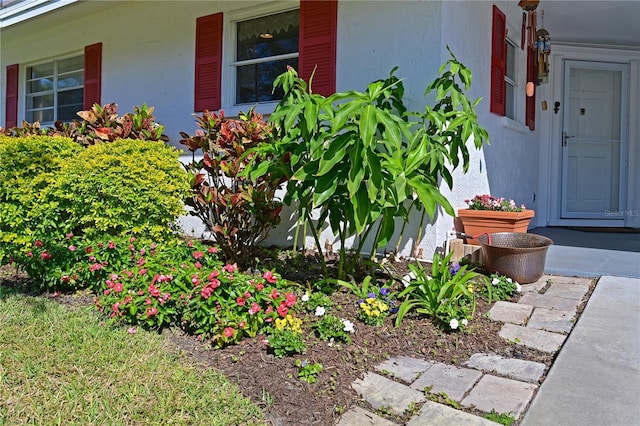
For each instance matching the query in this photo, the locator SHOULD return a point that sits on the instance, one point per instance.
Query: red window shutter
(530, 107)
(498, 61)
(92, 75)
(11, 104)
(208, 66)
(318, 27)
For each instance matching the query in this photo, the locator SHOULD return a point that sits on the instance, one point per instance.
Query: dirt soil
(273, 383)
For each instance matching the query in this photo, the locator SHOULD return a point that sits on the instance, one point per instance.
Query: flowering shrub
(332, 328)
(498, 287)
(286, 338)
(374, 303)
(489, 202)
(446, 296)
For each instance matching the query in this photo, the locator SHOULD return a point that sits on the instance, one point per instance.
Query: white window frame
(229, 63)
(54, 90)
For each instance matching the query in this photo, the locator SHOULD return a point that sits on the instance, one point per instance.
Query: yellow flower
(280, 323)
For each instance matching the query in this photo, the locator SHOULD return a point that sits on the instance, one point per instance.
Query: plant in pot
(488, 214)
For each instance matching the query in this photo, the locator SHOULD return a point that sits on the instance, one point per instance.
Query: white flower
(305, 297)
(453, 324)
(348, 326)
(495, 281)
(464, 322)
(518, 287)
(509, 280)
(406, 280)
(320, 311)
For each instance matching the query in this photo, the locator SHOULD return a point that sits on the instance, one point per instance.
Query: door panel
(591, 140)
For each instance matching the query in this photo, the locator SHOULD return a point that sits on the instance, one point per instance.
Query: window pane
(42, 85)
(511, 61)
(268, 36)
(39, 71)
(71, 80)
(36, 102)
(69, 103)
(509, 101)
(71, 64)
(43, 116)
(254, 82)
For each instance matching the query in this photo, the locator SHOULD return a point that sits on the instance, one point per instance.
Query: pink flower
(213, 274)
(69, 235)
(240, 301)
(198, 265)
(45, 256)
(206, 292)
(110, 283)
(147, 301)
(118, 287)
(142, 271)
(107, 292)
(212, 250)
(65, 278)
(152, 311)
(254, 309)
(29, 254)
(195, 280)
(131, 247)
(228, 332)
(283, 310)
(190, 243)
(111, 245)
(230, 268)
(290, 299)
(95, 267)
(141, 261)
(132, 330)
(270, 277)
(39, 243)
(214, 283)
(114, 276)
(142, 252)
(259, 286)
(242, 324)
(128, 299)
(274, 294)
(198, 255)
(72, 248)
(88, 250)
(152, 246)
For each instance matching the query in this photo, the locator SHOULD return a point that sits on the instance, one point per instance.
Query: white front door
(593, 140)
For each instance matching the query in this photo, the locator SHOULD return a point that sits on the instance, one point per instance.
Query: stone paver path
(486, 382)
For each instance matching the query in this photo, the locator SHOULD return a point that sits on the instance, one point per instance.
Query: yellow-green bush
(124, 187)
(28, 165)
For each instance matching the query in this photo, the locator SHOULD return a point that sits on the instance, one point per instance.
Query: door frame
(550, 165)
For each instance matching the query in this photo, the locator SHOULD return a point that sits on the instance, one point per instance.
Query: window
(265, 46)
(510, 80)
(55, 90)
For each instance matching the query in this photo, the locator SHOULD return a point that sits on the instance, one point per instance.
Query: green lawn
(61, 365)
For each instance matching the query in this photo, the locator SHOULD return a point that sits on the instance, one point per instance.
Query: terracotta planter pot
(476, 222)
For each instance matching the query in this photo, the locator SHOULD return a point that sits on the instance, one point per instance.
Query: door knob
(565, 136)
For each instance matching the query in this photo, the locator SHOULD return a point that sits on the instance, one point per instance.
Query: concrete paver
(519, 369)
(514, 313)
(500, 394)
(357, 416)
(404, 368)
(569, 290)
(549, 302)
(453, 381)
(433, 413)
(545, 341)
(381, 392)
(552, 320)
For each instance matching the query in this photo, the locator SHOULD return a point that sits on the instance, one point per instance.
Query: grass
(63, 366)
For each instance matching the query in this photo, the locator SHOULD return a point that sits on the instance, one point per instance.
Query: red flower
(214, 283)
(118, 287)
(152, 311)
(29, 254)
(212, 250)
(88, 249)
(45, 256)
(198, 255)
(290, 299)
(111, 245)
(38, 243)
(255, 308)
(206, 292)
(213, 274)
(228, 332)
(230, 268)
(270, 277)
(274, 294)
(242, 324)
(240, 301)
(259, 286)
(198, 265)
(283, 310)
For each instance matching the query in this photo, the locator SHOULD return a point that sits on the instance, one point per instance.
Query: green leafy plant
(308, 372)
(363, 160)
(238, 211)
(500, 418)
(374, 303)
(499, 287)
(331, 327)
(311, 301)
(447, 296)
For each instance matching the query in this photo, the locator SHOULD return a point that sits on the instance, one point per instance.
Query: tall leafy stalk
(357, 157)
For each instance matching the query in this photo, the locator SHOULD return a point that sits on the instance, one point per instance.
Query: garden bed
(273, 383)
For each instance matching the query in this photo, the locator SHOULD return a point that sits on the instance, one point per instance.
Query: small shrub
(128, 186)
(238, 211)
(498, 287)
(374, 303)
(308, 372)
(28, 165)
(286, 339)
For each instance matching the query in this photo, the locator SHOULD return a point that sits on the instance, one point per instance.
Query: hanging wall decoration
(543, 50)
